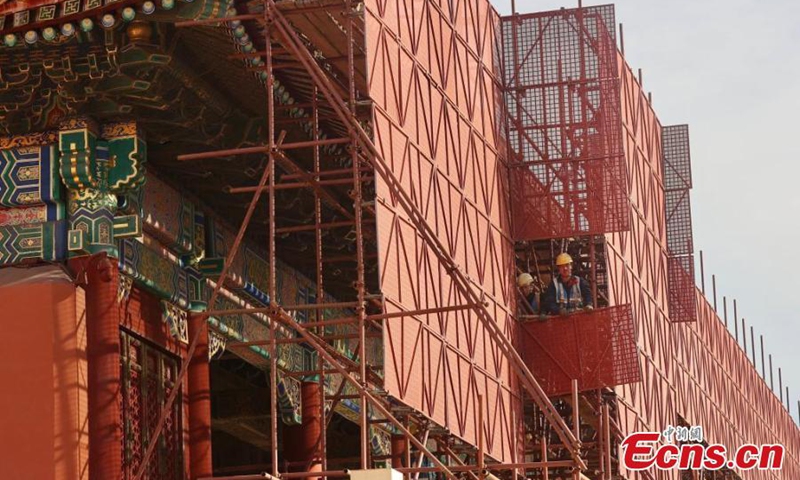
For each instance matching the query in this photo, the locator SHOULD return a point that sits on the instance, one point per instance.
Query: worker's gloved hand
(588, 308)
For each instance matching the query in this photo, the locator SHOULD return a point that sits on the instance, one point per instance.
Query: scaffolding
(427, 150)
(323, 71)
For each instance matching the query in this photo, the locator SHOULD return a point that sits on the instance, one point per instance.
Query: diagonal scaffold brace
(321, 80)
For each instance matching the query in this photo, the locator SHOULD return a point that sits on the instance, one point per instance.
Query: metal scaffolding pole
(320, 293)
(152, 443)
(360, 284)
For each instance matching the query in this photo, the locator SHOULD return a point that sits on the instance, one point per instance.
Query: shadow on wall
(42, 368)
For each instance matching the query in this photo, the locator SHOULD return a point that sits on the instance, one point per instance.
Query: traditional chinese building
(248, 239)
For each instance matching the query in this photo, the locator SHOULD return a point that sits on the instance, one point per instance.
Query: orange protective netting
(562, 90)
(597, 348)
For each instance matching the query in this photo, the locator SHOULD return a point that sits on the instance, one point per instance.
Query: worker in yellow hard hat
(529, 294)
(567, 293)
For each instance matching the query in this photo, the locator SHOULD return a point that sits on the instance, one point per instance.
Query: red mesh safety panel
(597, 348)
(435, 91)
(677, 157)
(717, 386)
(567, 164)
(677, 171)
(682, 305)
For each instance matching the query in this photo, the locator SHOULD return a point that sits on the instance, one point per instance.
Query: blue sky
(731, 70)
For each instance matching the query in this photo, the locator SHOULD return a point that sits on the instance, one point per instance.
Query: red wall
(43, 396)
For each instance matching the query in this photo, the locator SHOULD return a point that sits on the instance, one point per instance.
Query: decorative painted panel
(91, 208)
(168, 216)
(31, 202)
(249, 273)
(31, 215)
(128, 153)
(44, 241)
(155, 271)
(29, 176)
(95, 171)
(77, 141)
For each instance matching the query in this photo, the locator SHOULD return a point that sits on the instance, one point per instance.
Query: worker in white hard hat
(567, 293)
(529, 294)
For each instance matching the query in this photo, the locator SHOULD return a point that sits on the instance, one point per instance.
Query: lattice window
(148, 377)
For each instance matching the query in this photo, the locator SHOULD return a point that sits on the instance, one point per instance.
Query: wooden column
(200, 464)
(400, 453)
(103, 352)
(302, 443)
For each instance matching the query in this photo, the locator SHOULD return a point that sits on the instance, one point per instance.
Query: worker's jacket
(571, 295)
(529, 304)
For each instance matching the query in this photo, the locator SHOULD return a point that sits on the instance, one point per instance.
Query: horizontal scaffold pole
(212, 21)
(425, 311)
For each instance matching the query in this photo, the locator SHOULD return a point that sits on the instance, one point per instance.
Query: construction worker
(567, 293)
(529, 301)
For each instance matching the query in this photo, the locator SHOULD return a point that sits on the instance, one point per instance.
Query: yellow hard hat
(563, 259)
(524, 280)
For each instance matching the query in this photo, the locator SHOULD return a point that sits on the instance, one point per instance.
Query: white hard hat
(524, 280)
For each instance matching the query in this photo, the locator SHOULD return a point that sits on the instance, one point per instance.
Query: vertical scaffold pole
(771, 382)
(744, 337)
(607, 438)
(576, 420)
(714, 290)
(725, 310)
(357, 203)
(320, 294)
(481, 474)
(273, 349)
(702, 274)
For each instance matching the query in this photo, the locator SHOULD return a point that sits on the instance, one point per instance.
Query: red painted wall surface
(43, 425)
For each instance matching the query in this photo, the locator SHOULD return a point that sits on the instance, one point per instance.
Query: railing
(595, 347)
